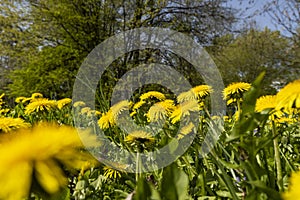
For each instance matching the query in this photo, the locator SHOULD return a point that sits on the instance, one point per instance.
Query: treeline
(44, 42)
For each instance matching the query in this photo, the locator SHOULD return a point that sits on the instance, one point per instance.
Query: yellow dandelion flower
(119, 107)
(186, 96)
(289, 96)
(9, 124)
(36, 95)
(2, 95)
(138, 105)
(26, 99)
(293, 191)
(139, 136)
(85, 110)
(185, 130)
(184, 109)
(202, 91)
(234, 91)
(106, 120)
(196, 93)
(20, 99)
(40, 152)
(4, 111)
(268, 102)
(160, 110)
(111, 172)
(39, 105)
(79, 104)
(283, 120)
(63, 102)
(151, 94)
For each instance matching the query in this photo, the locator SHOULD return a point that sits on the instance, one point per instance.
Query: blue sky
(254, 9)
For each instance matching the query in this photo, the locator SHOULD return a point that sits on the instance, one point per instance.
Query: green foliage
(56, 36)
(244, 57)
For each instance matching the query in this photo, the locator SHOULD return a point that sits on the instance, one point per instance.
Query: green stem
(238, 103)
(277, 158)
(138, 170)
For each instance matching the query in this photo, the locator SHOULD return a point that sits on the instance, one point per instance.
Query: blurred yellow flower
(63, 102)
(41, 104)
(4, 111)
(8, 124)
(78, 104)
(39, 152)
(289, 96)
(151, 94)
(234, 91)
(293, 191)
(85, 110)
(160, 110)
(20, 99)
(36, 95)
(26, 99)
(184, 109)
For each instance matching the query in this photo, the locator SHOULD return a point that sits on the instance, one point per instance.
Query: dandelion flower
(234, 91)
(289, 96)
(4, 111)
(85, 110)
(119, 107)
(160, 110)
(39, 105)
(139, 136)
(186, 130)
(196, 93)
(63, 102)
(109, 118)
(202, 91)
(20, 99)
(293, 191)
(158, 95)
(268, 102)
(9, 124)
(106, 120)
(186, 96)
(111, 172)
(184, 109)
(39, 152)
(2, 95)
(36, 95)
(26, 99)
(79, 104)
(138, 105)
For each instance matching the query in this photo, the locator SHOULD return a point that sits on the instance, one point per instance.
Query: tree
(244, 57)
(63, 32)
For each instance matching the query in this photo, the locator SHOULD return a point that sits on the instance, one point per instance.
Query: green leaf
(272, 194)
(174, 184)
(64, 194)
(143, 190)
